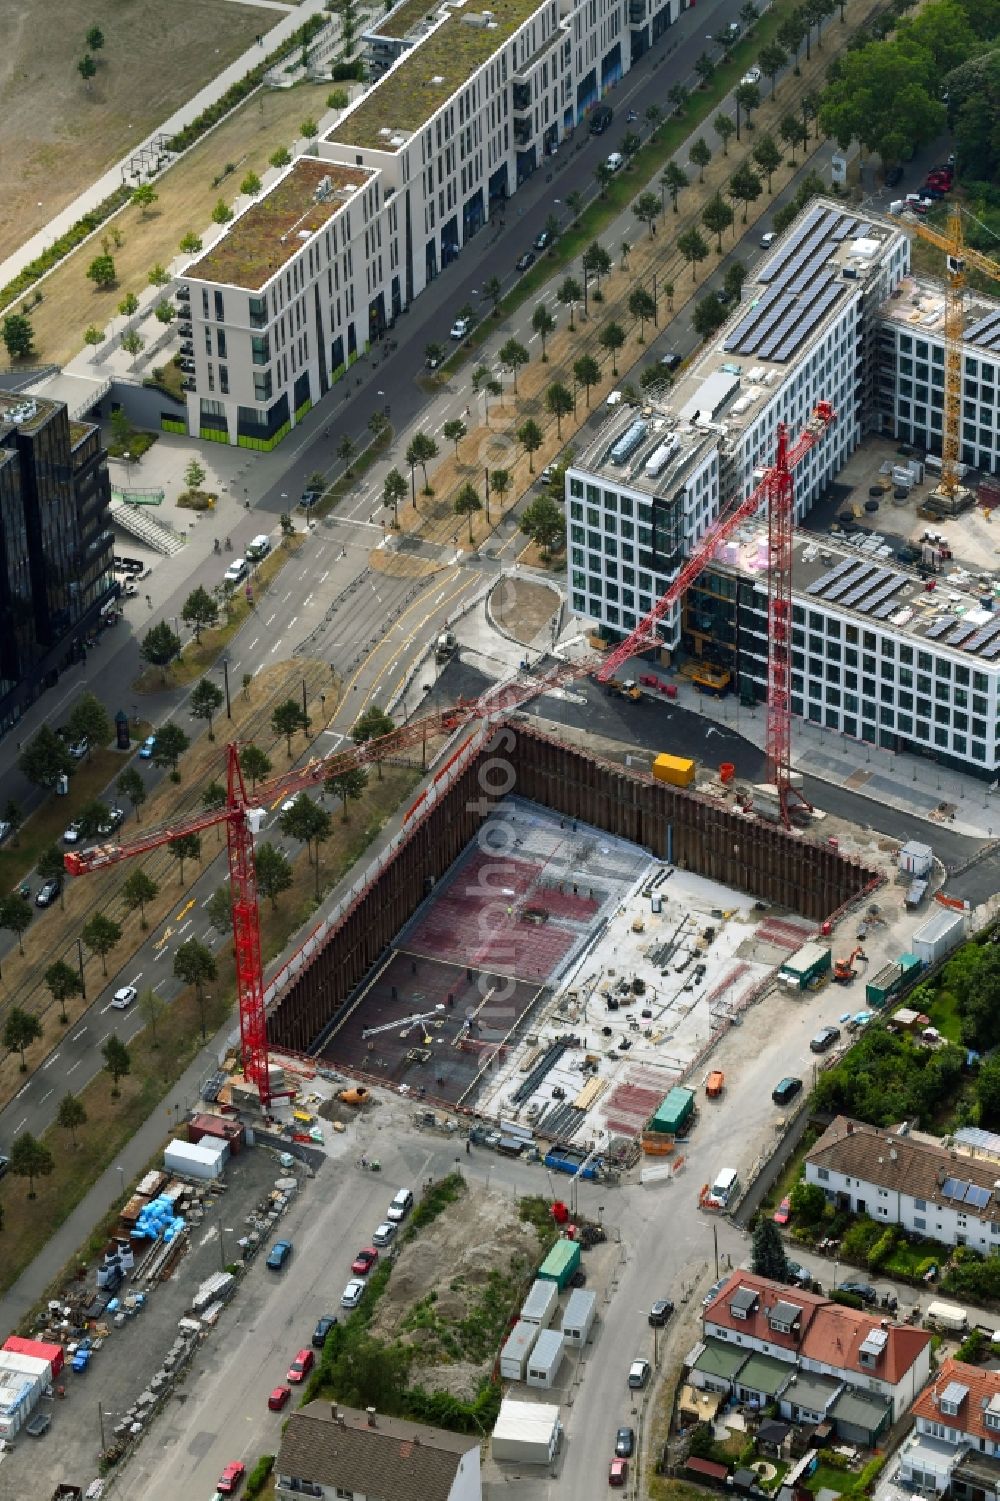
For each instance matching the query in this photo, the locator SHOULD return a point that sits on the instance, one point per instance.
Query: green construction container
(561, 1262)
(674, 1111)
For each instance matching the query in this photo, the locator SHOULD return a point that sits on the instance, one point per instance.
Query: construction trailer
(578, 1320)
(805, 967)
(541, 1303)
(892, 979)
(545, 1359)
(561, 1262)
(942, 932)
(674, 1111)
(514, 1355)
(527, 1433)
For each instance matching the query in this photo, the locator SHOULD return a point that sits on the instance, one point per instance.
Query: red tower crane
(776, 491)
(238, 814)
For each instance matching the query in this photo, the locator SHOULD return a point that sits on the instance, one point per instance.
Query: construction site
(564, 952)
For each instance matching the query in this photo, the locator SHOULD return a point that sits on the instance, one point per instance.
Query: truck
(445, 646)
(947, 1316)
(625, 688)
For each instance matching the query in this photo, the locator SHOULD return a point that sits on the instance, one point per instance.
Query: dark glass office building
(56, 546)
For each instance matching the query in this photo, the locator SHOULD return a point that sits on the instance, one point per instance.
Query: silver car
(353, 1293)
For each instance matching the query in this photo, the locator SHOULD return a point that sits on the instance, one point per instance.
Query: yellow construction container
(677, 770)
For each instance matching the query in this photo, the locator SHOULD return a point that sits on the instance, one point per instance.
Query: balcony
(521, 97)
(523, 130)
(637, 12)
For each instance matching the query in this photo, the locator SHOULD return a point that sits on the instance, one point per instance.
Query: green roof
(720, 1359)
(429, 74)
(402, 19)
(766, 1374)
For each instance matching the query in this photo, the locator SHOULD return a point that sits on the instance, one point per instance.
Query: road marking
(286, 597)
(22, 1090)
(276, 646)
(184, 910)
(184, 927)
(253, 643)
(22, 1123)
(45, 1096)
(324, 576)
(161, 955)
(78, 1035)
(306, 601)
(270, 618)
(138, 977)
(291, 622)
(49, 1061)
(161, 941)
(74, 1065)
(440, 597)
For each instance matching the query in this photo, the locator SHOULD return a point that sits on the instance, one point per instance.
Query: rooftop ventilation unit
(661, 456)
(323, 188)
(23, 411)
(629, 442)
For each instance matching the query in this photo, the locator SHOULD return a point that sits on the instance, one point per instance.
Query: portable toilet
(514, 1355)
(541, 1303)
(546, 1358)
(581, 1310)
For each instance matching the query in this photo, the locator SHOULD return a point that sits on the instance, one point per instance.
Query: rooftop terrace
(429, 74)
(268, 233)
(23, 411)
(919, 306)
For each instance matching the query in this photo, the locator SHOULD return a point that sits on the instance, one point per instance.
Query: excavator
(843, 969)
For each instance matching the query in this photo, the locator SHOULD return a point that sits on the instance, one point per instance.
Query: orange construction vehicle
(843, 969)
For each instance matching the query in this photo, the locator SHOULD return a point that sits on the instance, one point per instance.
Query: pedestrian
(468, 1147)
(149, 601)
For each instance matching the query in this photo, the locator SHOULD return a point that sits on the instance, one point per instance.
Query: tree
(768, 1257)
(808, 1202)
(171, 743)
(673, 179)
(626, 251)
(349, 785)
(213, 798)
(709, 314)
(500, 483)
(543, 324)
(543, 520)
(138, 889)
(678, 98)
(717, 216)
(652, 115)
(308, 128)
(647, 209)
(151, 1008)
(772, 59)
(219, 910)
(71, 1114)
(13, 814)
(86, 67)
(131, 785)
(280, 158)
(373, 724)
(117, 1062)
(701, 155)
(421, 451)
(200, 610)
(749, 15)
(185, 847)
(394, 490)
(454, 431)
(31, 1159)
(287, 719)
(603, 174)
(530, 437)
(194, 964)
(100, 934)
(378, 426)
(18, 335)
(811, 103)
(133, 343)
(705, 69)
(63, 981)
(158, 275)
(884, 96)
(467, 503)
(612, 338)
(45, 758)
(768, 156)
(143, 198)
(160, 646)
(21, 1029)
(559, 402)
(630, 145)
(102, 272)
(89, 720)
(587, 373)
(574, 202)
(747, 96)
(206, 700)
(345, 452)
(736, 275)
(164, 312)
(693, 248)
(194, 475)
(816, 12)
(642, 307)
(745, 187)
(724, 126)
(92, 335)
(494, 291)
(791, 34)
(791, 131)
(221, 213)
(15, 916)
(596, 261)
(512, 356)
(655, 378)
(251, 185)
(91, 817)
(274, 872)
(568, 294)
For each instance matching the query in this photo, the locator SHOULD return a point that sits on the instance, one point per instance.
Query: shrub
(870, 1473)
(440, 1194)
(859, 1240)
(344, 71)
(259, 1475)
(882, 1249)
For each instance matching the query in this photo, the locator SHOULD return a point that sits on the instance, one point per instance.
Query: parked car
(147, 748)
(364, 1261)
(353, 1293)
(383, 1233)
(524, 261)
(542, 240)
(236, 571)
(323, 1326)
(638, 1374)
(752, 75)
(460, 328)
(798, 1274)
(79, 748)
(783, 1213)
(114, 820)
(618, 1472)
(48, 892)
(824, 1039)
(862, 1290)
(38, 1425)
(231, 1478)
(122, 999)
(279, 1397)
(259, 547)
(625, 1443)
(786, 1089)
(768, 239)
(5, 829)
(279, 1254)
(72, 832)
(660, 1312)
(310, 498)
(670, 362)
(600, 119)
(615, 162)
(300, 1367)
(401, 1205)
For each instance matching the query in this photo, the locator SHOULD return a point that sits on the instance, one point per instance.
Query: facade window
(220, 311)
(823, 1174)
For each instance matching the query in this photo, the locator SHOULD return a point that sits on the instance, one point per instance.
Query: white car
(460, 327)
(71, 834)
(615, 162)
(768, 240)
(383, 1233)
(122, 999)
(752, 75)
(236, 571)
(353, 1293)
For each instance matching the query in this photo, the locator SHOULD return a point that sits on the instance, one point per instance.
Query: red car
(300, 1367)
(618, 1473)
(279, 1397)
(364, 1261)
(231, 1478)
(783, 1213)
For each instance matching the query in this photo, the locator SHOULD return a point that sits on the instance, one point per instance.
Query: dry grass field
(57, 136)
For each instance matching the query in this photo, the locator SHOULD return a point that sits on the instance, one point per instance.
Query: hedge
(259, 1475)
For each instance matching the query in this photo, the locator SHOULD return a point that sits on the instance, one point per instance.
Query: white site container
(527, 1433)
(916, 859)
(578, 1320)
(514, 1355)
(545, 1359)
(938, 935)
(541, 1303)
(192, 1160)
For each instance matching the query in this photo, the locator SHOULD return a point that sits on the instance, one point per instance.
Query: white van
(259, 547)
(725, 1187)
(400, 1206)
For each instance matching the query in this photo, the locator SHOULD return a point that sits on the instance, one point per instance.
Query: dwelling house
(955, 1443)
(337, 1452)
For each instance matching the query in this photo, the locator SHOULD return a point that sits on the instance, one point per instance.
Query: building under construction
(509, 868)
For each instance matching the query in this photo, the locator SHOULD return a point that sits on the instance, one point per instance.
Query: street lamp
(121, 1174)
(83, 982)
(225, 673)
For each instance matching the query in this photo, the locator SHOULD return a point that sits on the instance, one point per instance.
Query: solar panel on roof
(991, 651)
(866, 588)
(845, 227)
(938, 627)
(885, 609)
(861, 571)
(808, 270)
(844, 566)
(796, 312)
(801, 330)
(981, 637)
(861, 231)
(952, 1188)
(807, 247)
(977, 1197)
(745, 324)
(790, 245)
(885, 589)
(990, 325)
(960, 633)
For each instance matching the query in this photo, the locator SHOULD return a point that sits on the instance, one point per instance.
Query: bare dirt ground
(452, 1289)
(522, 607)
(57, 135)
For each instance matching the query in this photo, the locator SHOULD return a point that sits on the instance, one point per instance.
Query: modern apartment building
(805, 332)
(56, 546)
(287, 298)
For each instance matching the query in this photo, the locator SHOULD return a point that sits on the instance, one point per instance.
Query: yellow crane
(957, 255)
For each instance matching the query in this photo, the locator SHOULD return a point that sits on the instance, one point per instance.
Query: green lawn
(825, 1477)
(944, 1015)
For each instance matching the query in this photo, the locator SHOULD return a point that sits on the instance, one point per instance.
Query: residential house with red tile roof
(955, 1443)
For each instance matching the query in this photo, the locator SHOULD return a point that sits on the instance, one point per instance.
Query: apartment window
(262, 388)
(220, 312)
(823, 1174)
(258, 312)
(919, 1223)
(220, 339)
(260, 349)
(920, 1203)
(224, 379)
(204, 302)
